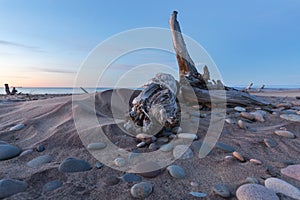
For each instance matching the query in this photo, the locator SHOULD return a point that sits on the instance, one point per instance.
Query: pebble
(26, 152)
(141, 144)
(40, 148)
(8, 151)
(259, 115)
(10, 187)
(286, 134)
(39, 161)
(229, 121)
(96, 146)
(147, 169)
(270, 143)
(153, 146)
(167, 133)
(166, 147)
(141, 190)
(251, 180)
(52, 185)
(176, 130)
(143, 137)
(190, 136)
(70, 165)
(255, 192)
(238, 156)
(224, 147)
(198, 194)
(247, 115)
(111, 180)
(129, 178)
(280, 186)
(221, 190)
(194, 184)
(176, 171)
(292, 171)
(120, 162)
(241, 124)
(99, 165)
(182, 152)
(291, 117)
(255, 161)
(196, 146)
(17, 127)
(163, 140)
(283, 105)
(239, 109)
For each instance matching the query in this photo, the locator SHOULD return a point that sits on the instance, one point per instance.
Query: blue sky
(43, 43)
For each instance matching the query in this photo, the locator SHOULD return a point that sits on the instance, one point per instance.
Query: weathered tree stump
(7, 91)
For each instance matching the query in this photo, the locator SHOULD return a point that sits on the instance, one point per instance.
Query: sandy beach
(46, 129)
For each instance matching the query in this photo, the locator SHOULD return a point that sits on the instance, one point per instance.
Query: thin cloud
(15, 44)
(50, 70)
(15, 77)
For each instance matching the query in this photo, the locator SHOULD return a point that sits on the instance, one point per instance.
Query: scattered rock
(166, 147)
(224, 147)
(251, 180)
(271, 170)
(292, 171)
(17, 127)
(291, 117)
(70, 165)
(167, 133)
(176, 171)
(198, 194)
(238, 156)
(176, 130)
(182, 152)
(96, 146)
(129, 178)
(120, 162)
(163, 140)
(40, 148)
(229, 121)
(279, 186)
(270, 143)
(26, 152)
(196, 146)
(52, 185)
(239, 109)
(283, 105)
(247, 115)
(10, 187)
(39, 161)
(241, 124)
(8, 151)
(99, 165)
(259, 115)
(190, 136)
(285, 133)
(194, 184)
(147, 169)
(141, 190)
(143, 137)
(255, 192)
(255, 161)
(111, 180)
(221, 190)
(141, 144)
(153, 146)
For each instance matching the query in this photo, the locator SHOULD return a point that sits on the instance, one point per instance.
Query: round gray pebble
(225, 147)
(198, 194)
(52, 185)
(141, 190)
(111, 180)
(166, 147)
(9, 187)
(70, 165)
(255, 192)
(182, 152)
(120, 162)
(8, 151)
(251, 180)
(17, 127)
(39, 161)
(40, 148)
(99, 165)
(176, 171)
(96, 146)
(131, 178)
(221, 190)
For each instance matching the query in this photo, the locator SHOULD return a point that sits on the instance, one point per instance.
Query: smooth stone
(52, 185)
(176, 171)
(2, 142)
(280, 186)
(255, 161)
(111, 180)
(270, 143)
(10, 187)
(286, 134)
(99, 165)
(8, 151)
(196, 146)
(153, 146)
(40, 148)
(241, 124)
(141, 144)
(194, 184)
(221, 190)
(251, 180)
(291, 117)
(290, 111)
(225, 147)
(96, 146)
(129, 178)
(17, 127)
(247, 115)
(39, 161)
(238, 156)
(120, 162)
(198, 194)
(167, 133)
(143, 137)
(163, 140)
(182, 152)
(292, 171)
(239, 109)
(259, 115)
(141, 190)
(70, 165)
(26, 152)
(176, 130)
(229, 121)
(166, 147)
(189, 136)
(147, 169)
(255, 192)
(283, 105)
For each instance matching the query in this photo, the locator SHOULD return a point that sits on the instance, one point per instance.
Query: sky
(46, 43)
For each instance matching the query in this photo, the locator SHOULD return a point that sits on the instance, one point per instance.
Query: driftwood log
(157, 107)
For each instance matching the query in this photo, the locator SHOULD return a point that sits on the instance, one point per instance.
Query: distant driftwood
(7, 90)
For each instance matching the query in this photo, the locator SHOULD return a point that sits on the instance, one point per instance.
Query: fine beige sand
(50, 122)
